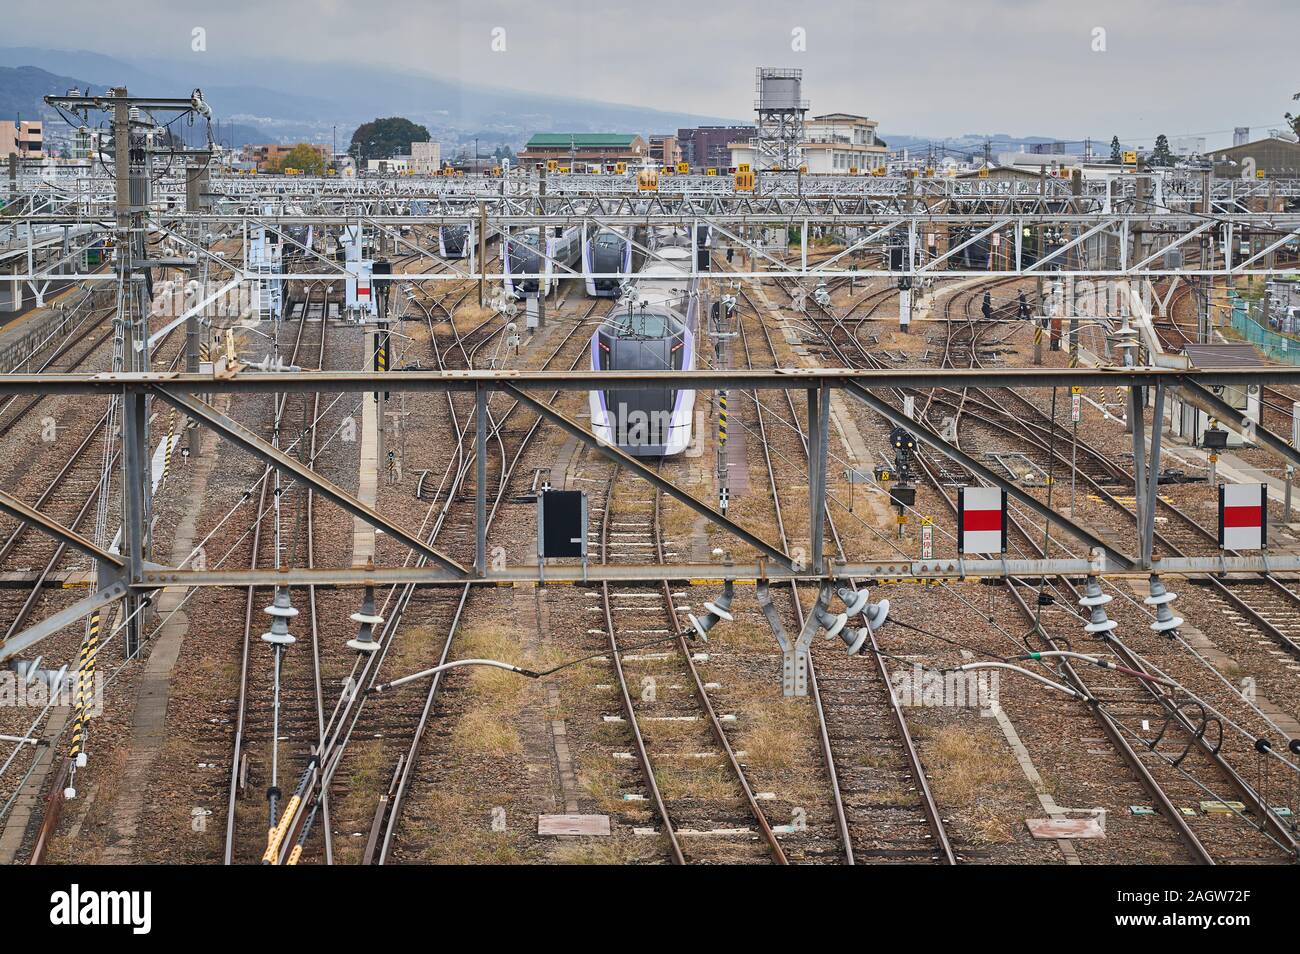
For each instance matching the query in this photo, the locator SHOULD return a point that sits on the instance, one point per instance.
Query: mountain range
(264, 100)
(293, 102)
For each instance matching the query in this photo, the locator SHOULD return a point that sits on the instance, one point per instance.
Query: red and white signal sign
(982, 520)
(1243, 516)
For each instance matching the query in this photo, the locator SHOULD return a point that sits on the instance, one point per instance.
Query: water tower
(781, 110)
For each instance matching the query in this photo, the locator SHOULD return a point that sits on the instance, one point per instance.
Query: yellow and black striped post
(171, 446)
(381, 354)
(722, 419)
(85, 687)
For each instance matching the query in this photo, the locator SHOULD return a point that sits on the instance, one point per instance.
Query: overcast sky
(928, 67)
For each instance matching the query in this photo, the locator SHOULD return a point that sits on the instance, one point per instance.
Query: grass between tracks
(965, 766)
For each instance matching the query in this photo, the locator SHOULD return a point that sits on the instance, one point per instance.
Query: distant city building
(24, 139)
(83, 143)
(1032, 161)
(391, 166)
(838, 142)
(584, 148)
(426, 157)
(1188, 146)
(833, 144)
(1273, 157)
(1241, 135)
(664, 150)
(708, 147)
(265, 156)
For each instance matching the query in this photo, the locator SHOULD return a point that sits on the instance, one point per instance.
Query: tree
(1115, 155)
(304, 157)
(1160, 155)
(385, 138)
(1294, 121)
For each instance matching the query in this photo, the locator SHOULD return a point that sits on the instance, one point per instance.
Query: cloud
(937, 67)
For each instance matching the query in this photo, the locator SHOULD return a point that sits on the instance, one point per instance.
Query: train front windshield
(642, 324)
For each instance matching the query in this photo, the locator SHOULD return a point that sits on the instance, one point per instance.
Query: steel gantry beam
(576, 431)
(47, 627)
(19, 510)
(242, 437)
(948, 569)
(1088, 240)
(1209, 402)
(1179, 189)
(133, 576)
(236, 381)
(927, 436)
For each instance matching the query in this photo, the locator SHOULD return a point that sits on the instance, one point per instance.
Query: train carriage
(520, 257)
(652, 329)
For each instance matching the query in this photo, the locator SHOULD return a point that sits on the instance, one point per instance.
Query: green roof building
(584, 149)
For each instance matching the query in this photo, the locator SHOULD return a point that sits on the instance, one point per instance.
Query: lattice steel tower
(781, 112)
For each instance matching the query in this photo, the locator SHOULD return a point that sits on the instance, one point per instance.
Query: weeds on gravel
(965, 765)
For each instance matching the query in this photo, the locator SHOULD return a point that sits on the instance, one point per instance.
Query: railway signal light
(1166, 622)
(281, 611)
(367, 619)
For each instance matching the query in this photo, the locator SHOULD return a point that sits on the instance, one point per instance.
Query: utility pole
(541, 248)
(1067, 285)
(482, 255)
(130, 349)
(723, 312)
(132, 179)
(1204, 315)
(196, 184)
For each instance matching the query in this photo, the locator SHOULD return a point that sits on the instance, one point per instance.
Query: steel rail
(929, 806)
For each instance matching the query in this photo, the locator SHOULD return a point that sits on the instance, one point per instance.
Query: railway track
(446, 519)
(280, 699)
(1120, 735)
(1164, 774)
(885, 809)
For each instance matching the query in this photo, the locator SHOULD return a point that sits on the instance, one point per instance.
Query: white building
(426, 157)
(833, 144)
(838, 142)
(394, 166)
